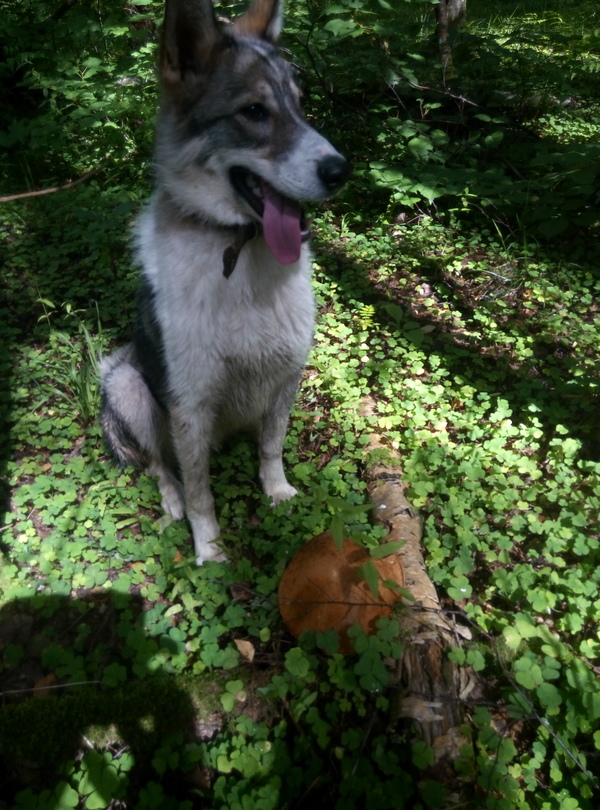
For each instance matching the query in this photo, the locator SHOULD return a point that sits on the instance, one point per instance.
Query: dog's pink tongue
(281, 225)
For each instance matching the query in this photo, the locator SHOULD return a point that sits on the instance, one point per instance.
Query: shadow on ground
(78, 676)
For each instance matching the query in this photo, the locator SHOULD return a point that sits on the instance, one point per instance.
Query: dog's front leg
(191, 438)
(271, 439)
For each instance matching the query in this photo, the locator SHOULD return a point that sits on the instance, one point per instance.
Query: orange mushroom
(321, 589)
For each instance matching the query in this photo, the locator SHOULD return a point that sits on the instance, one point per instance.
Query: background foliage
(458, 283)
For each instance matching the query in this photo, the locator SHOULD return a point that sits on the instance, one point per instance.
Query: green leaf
(227, 701)
(370, 573)
(341, 28)
(338, 530)
(512, 637)
(457, 655)
(420, 146)
(523, 628)
(387, 549)
(549, 696)
(476, 659)
(423, 755)
(66, 797)
(223, 764)
(460, 589)
(528, 672)
(494, 140)
(297, 662)
(114, 674)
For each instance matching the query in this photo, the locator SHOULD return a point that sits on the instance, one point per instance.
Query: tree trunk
(449, 14)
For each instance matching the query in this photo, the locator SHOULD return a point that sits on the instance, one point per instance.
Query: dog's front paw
(284, 492)
(206, 530)
(211, 552)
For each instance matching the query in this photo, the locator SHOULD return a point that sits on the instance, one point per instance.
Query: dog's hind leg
(270, 445)
(135, 426)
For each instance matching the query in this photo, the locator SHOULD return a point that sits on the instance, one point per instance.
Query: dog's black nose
(333, 171)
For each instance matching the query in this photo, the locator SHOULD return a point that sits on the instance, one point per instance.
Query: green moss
(385, 456)
(138, 713)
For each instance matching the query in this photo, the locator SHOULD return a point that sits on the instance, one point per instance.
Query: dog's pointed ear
(263, 19)
(190, 37)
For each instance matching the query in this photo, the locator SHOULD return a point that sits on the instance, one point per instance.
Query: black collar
(243, 234)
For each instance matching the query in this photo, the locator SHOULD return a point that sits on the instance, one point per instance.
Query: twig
(70, 184)
(573, 756)
(46, 688)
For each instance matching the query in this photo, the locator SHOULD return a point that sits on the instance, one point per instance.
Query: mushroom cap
(321, 589)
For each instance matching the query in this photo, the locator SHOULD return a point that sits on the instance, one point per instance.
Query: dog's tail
(129, 417)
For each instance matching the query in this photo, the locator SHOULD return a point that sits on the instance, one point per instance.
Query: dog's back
(226, 308)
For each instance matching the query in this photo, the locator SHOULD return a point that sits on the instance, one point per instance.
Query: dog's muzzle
(283, 223)
(333, 172)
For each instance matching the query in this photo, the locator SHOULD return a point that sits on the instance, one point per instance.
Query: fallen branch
(70, 184)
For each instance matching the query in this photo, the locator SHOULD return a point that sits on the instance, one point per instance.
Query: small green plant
(74, 362)
(62, 797)
(97, 781)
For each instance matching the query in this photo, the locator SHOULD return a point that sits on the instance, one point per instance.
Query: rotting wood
(431, 692)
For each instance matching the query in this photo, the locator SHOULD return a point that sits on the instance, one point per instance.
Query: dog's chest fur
(242, 335)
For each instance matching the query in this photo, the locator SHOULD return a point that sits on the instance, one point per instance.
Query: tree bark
(449, 14)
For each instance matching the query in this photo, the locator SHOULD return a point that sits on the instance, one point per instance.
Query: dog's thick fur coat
(225, 305)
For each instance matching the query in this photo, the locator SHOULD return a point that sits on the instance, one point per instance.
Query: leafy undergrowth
(168, 685)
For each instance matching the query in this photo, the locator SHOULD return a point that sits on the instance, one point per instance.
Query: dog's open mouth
(284, 226)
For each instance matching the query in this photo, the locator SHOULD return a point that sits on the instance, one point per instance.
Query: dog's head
(233, 145)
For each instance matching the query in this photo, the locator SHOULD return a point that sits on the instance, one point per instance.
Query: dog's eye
(255, 112)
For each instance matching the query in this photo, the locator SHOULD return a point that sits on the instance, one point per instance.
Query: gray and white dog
(226, 309)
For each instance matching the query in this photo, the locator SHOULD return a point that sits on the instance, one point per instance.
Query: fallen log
(431, 695)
